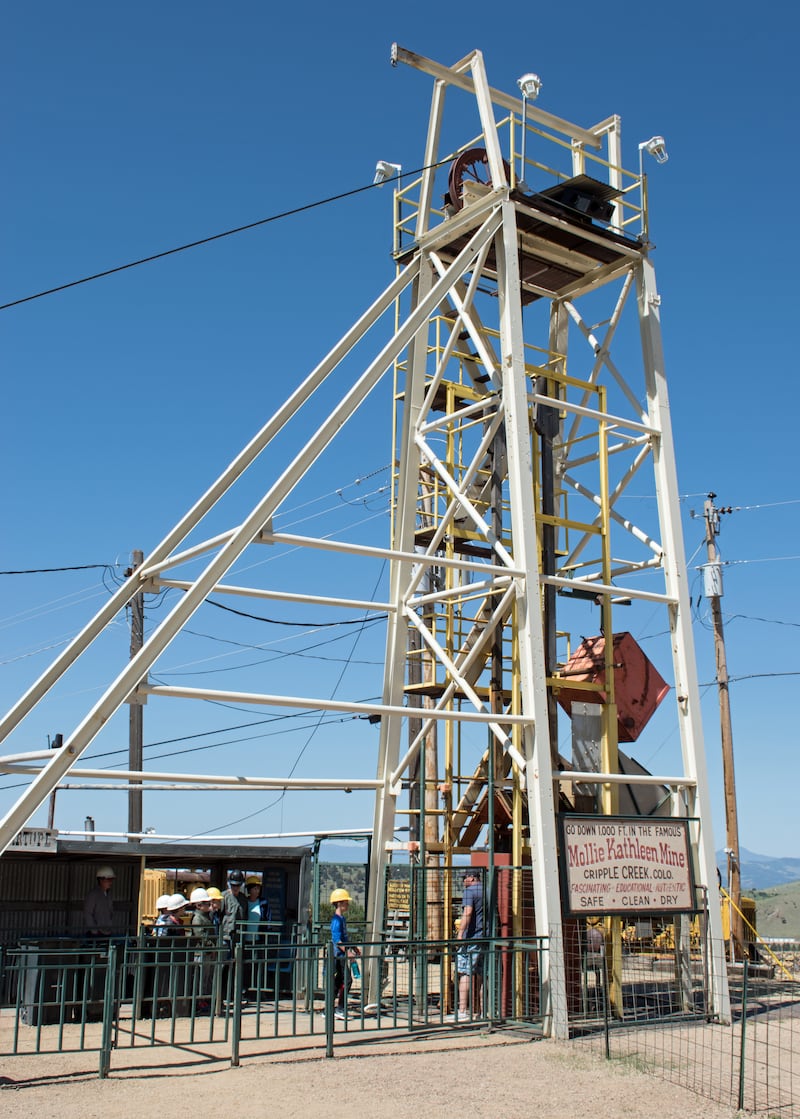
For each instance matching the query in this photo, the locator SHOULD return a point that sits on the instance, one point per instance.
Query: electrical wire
(35, 652)
(766, 505)
(208, 746)
(169, 675)
(763, 559)
(326, 719)
(767, 621)
(761, 676)
(279, 622)
(281, 796)
(154, 602)
(213, 237)
(51, 570)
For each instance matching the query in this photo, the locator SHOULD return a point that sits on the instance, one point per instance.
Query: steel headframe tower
(511, 475)
(511, 481)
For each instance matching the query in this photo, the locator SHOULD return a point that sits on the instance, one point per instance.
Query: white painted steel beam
(283, 596)
(130, 588)
(608, 588)
(594, 778)
(397, 630)
(680, 621)
(461, 682)
(145, 777)
(454, 76)
(431, 158)
(612, 421)
(155, 837)
(471, 653)
(400, 555)
(313, 703)
(136, 669)
(533, 673)
(595, 499)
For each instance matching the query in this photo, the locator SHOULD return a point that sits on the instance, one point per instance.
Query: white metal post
(536, 737)
(686, 686)
(397, 633)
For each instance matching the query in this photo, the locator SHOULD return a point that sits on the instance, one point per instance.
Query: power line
(762, 676)
(762, 559)
(327, 720)
(51, 570)
(280, 797)
(279, 622)
(768, 621)
(208, 240)
(766, 505)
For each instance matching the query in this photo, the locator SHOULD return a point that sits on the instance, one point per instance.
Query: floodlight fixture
(656, 146)
(385, 171)
(529, 86)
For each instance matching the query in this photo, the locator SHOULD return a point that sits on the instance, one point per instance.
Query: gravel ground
(481, 1076)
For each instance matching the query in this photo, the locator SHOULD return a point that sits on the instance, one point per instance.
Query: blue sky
(129, 131)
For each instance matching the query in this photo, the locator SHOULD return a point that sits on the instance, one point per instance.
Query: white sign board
(35, 839)
(615, 865)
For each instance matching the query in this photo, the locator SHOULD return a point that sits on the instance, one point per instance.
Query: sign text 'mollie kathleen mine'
(614, 865)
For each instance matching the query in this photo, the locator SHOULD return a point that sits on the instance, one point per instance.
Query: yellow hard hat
(340, 895)
(214, 893)
(252, 880)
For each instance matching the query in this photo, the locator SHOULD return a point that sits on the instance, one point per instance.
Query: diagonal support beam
(137, 668)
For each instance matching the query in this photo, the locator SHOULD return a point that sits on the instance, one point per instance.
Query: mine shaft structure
(521, 249)
(518, 436)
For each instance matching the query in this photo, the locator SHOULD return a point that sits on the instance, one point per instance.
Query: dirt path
(479, 1076)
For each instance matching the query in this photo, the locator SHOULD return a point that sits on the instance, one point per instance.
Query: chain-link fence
(662, 1027)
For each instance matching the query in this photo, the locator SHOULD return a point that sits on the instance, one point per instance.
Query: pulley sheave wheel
(472, 165)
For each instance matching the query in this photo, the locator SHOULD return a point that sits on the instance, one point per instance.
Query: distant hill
(760, 872)
(778, 910)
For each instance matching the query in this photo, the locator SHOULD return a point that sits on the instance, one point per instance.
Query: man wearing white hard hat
(175, 909)
(98, 908)
(204, 936)
(202, 925)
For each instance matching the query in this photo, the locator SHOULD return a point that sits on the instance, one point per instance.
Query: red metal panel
(638, 687)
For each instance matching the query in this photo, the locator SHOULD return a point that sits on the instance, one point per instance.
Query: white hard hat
(105, 872)
(199, 894)
(177, 901)
(163, 901)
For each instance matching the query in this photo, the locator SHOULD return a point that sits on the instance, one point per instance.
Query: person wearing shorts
(469, 959)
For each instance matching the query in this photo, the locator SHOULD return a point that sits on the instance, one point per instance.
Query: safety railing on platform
(550, 158)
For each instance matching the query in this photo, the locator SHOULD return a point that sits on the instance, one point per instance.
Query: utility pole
(135, 733)
(712, 587)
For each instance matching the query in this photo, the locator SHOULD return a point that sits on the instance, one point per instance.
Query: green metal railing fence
(102, 996)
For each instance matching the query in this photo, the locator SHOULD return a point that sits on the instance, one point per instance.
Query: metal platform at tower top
(561, 251)
(513, 460)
